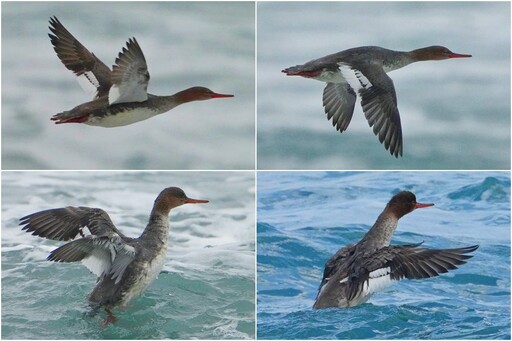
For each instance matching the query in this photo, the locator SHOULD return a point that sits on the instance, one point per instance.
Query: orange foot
(110, 318)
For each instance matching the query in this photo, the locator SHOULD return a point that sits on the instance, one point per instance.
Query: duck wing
(339, 100)
(393, 263)
(130, 75)
(76, 58)
(379, 103)
(67, 222)
(105, 252)
(339, 260)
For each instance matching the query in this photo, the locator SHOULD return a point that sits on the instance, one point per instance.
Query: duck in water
(359, 270)
(125, 266)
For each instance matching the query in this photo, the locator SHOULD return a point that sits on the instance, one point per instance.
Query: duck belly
(147, 273)
(121, 118)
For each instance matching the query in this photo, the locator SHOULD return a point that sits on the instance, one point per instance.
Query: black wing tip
(55, 27)
(52, 257)
(54, 23)
(31, 225)
(396, 148)
(130, 51)
(469, 249)
(131, 41)
(53, 20)
(462, 254)
(396, 151)
(26, 221)
(464, 250)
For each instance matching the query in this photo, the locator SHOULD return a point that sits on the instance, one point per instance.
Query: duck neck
(157, 230)
(381, 232)
(396, 60)
(164, 103)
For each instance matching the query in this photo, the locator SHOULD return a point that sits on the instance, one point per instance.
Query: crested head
(172, 197)
(404, 202)
(436, 53)
(199, 93)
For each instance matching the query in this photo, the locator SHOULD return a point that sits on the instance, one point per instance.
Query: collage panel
(327, 67)
(204, 291)
(327, 241)
(202, 52)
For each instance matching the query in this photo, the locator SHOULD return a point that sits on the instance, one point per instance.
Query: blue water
(206, 289)
(185, 44)
(455, 114)
(305, 217)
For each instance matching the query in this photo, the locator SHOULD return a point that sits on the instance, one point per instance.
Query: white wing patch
(355, 78)
(109, 257)
(377, 280)
(113, 94)
(125, 94)
(98, 262)
(380, 272)
(365, 83)
(132, 88)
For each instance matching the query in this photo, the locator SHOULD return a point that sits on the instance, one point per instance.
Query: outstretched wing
(393, 263)
(66, 223)
(76, 58)
(130, 75)
(103, 256)
(339, 100)
(379, 103)
(105, 252)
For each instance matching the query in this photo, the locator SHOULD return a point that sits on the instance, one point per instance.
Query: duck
(124, 266)
(363, 71)
(120, 95)
(357, 271)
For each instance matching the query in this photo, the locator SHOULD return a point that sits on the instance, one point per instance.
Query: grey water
(455, 113)
(185, 44)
